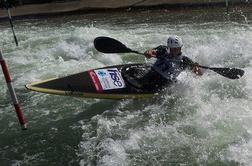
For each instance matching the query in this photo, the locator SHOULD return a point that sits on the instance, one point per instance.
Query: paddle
(110, 45)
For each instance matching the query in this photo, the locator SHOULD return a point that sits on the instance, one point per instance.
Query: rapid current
(198, 121)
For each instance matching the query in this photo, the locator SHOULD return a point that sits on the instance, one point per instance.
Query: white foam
(111, 153)
(204, 118)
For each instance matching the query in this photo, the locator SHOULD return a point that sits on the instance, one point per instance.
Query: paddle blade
(231, 73)
(110, 45)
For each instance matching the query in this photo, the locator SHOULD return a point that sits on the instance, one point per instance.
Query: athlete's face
(175, 51)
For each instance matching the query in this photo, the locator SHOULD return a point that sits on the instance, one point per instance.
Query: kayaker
(169, 64)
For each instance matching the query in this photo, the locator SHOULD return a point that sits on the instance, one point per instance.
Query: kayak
(116, 82)
(112, 82)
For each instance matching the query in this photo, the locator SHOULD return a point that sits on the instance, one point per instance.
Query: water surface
(199, 121)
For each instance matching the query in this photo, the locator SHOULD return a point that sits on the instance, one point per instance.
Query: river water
(199, 121)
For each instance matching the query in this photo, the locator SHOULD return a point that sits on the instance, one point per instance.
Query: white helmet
(174, 42)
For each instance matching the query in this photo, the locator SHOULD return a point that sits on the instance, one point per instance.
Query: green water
(198, 121)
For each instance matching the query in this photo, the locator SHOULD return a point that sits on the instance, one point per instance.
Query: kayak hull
(105, 83)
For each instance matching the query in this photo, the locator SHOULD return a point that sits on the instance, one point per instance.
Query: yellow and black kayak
(112, 82)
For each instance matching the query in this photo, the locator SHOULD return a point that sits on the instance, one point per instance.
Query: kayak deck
(107, 83)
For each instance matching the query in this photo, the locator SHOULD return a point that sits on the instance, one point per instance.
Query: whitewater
(198, 121)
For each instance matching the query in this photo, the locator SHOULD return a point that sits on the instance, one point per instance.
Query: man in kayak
(169, 64)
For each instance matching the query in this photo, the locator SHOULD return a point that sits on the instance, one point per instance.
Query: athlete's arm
(150, 53)
(157, 52)
(193, 66)
(196, 69)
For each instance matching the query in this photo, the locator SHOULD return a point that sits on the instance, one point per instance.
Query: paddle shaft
(139, 53)
(235, 74)
(109, 45)
(204, 67)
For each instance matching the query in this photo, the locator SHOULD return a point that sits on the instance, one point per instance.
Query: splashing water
(198, 121)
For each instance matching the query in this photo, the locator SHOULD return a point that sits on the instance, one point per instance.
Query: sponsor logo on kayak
(95, 80)
(110, 78)
(101, 73)
(115, 76)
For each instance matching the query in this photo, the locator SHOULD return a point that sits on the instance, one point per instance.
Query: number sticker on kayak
(108, 79)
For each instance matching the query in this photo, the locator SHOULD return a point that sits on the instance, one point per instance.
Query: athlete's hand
(150, 53)
(196, 69)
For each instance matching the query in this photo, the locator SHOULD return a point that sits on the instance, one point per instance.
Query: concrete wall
(99, 4)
